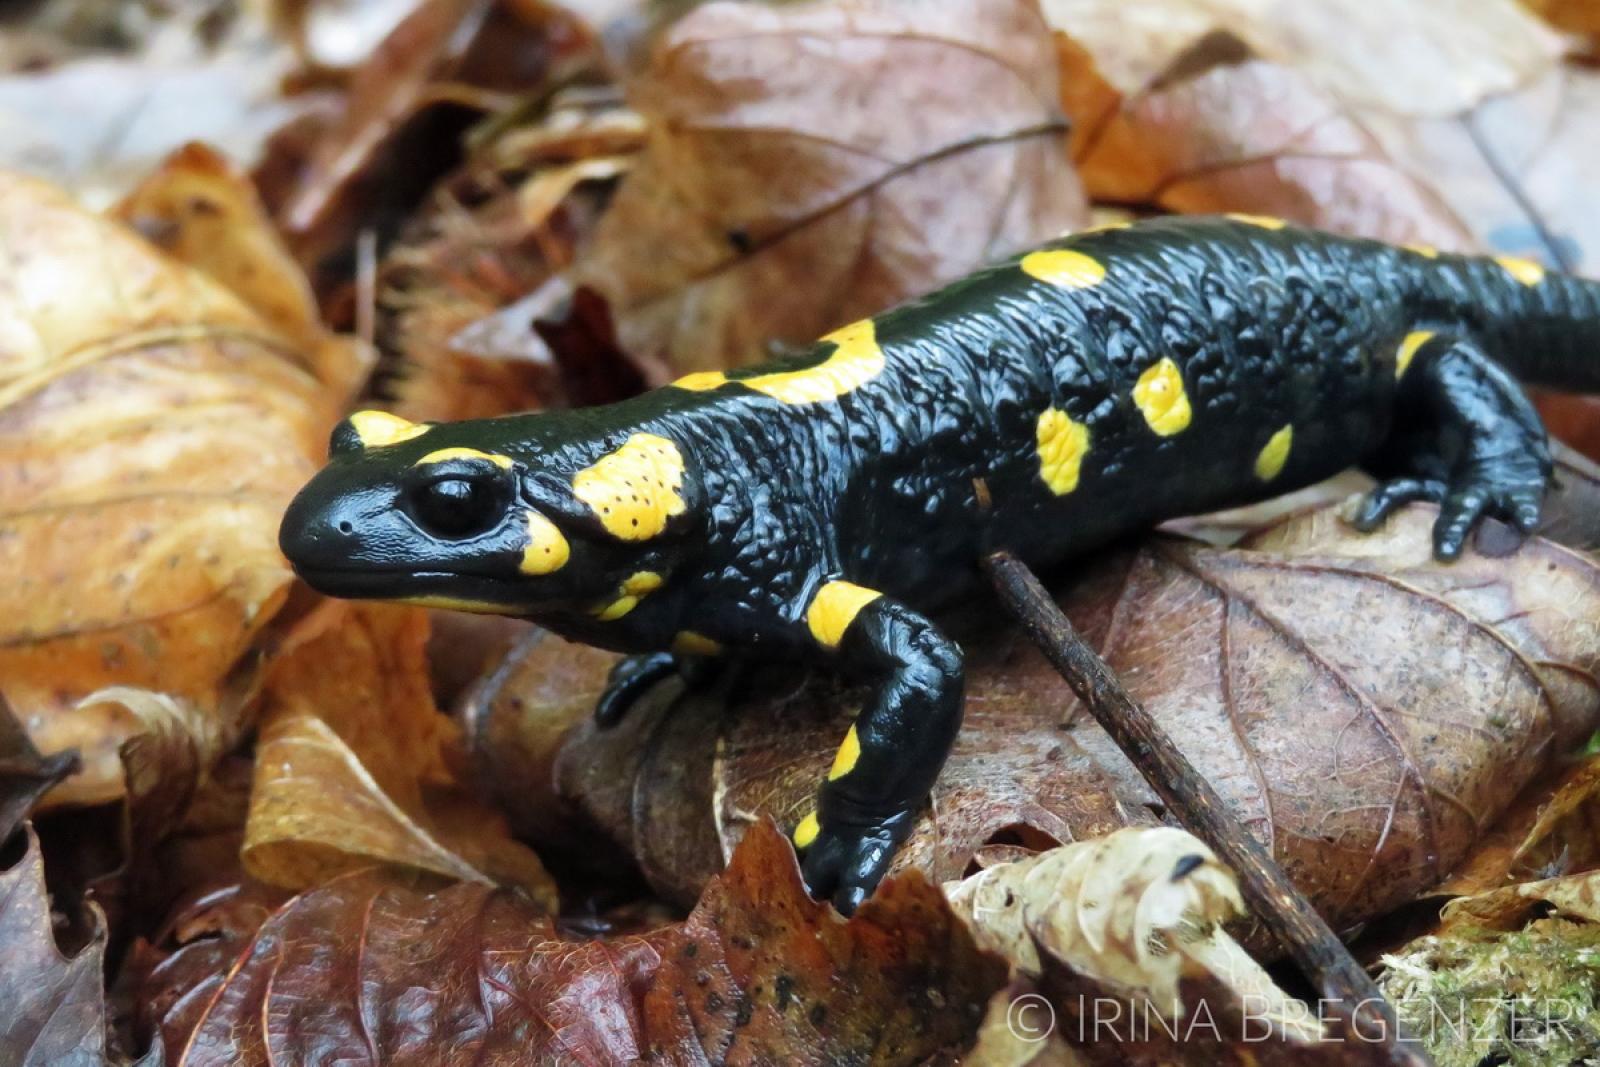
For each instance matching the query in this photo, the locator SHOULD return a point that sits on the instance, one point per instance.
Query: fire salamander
(817, 507)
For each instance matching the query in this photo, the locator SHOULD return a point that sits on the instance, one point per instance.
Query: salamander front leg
(887, 764)
(1467, 438)
(633, 676)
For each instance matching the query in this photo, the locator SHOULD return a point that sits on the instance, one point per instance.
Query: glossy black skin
(903, 484)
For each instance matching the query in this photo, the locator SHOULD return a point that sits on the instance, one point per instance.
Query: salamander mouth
(369, 584)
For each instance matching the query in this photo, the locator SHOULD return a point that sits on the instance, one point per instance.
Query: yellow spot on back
(834, 608)
(1065, 267)
(635, 489)
(547, 549)
(1423, 250)
(1161, 399)
(856, 360)
(1266, 222)
(1408, 349)
(450, 603)
(807, 831)
(1525, 271)
(1274, 454)
(1062, 445)
(633, 589)
(378, 428)
(844, 761)
(693, 644)
(442, 454)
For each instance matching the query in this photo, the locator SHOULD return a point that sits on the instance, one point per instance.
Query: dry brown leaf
(1368, 757)
(846, 155)
(152, 428)
(374, 967)
(353, 763)
(1506, 908)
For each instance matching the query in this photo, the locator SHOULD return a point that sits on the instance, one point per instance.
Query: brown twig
(1271, 897)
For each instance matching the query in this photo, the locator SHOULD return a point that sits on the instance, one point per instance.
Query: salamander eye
(456, 508)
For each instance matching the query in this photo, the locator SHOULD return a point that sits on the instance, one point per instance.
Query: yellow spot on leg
(844, 761)
(1525, 271)
(378, 428)
(834, 608)
(1269, 464)
(547, 549)
(693, 644)
(856, 359)
(1064, 267)
(634, 490)
(1161, 399)
(1266, 222)
(1409, 348)
(1062, 445)
(807, 831)
(442, 454)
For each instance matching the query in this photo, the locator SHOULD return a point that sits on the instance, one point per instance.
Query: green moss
(1528, 999)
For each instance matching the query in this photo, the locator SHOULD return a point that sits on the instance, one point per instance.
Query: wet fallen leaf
(152, 426)
(381, 968)
(817, 151)
(353, 765)
(1474, 136)
(55, 1013)
(1368, 757)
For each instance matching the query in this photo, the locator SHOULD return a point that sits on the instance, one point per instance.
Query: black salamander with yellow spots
(818, 507)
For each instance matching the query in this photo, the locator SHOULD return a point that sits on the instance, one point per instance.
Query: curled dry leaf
(848, 156)
(375, 967)
(55, 1014)
(152, 427)
(1450, 125)
(353, 763)
(1369, 757)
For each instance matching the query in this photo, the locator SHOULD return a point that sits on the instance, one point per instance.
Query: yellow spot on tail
(1266, 222)
(547, 549)
(633, 589)
(1274, 454)
(834, 608)
(379, 428)
(635, 489)
(1409, 348)
(807, 831)
(1525, 271)
(1062, 445)
(844, 761)
(450, 603)
(1064, 267)
(694, 644)
(439, 456)
(856, 360)
(1423, 250)
(1161, 399)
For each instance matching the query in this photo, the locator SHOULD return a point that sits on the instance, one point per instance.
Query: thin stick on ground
(1271, 897)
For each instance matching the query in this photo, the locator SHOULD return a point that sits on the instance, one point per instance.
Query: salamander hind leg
(1466, 438)
(889, 759)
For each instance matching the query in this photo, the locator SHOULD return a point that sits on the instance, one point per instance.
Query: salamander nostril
(346, 526)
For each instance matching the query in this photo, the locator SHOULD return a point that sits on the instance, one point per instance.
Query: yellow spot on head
(547, 549)
(442, 454)
(692, 644)
(378, 428)
(640, 583)
(1274, 454)
(633, 589)
(844, 761)
(834, 608)
(855, 360)
(1062, 446)
(1409, 348)
(1525, 271)
(1423, 250)
(1161, 399)
(635, 489)
(1266, 222)
(807, 831)
(1064, 267)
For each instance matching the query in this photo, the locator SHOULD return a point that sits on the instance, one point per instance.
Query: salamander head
(495, 516)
